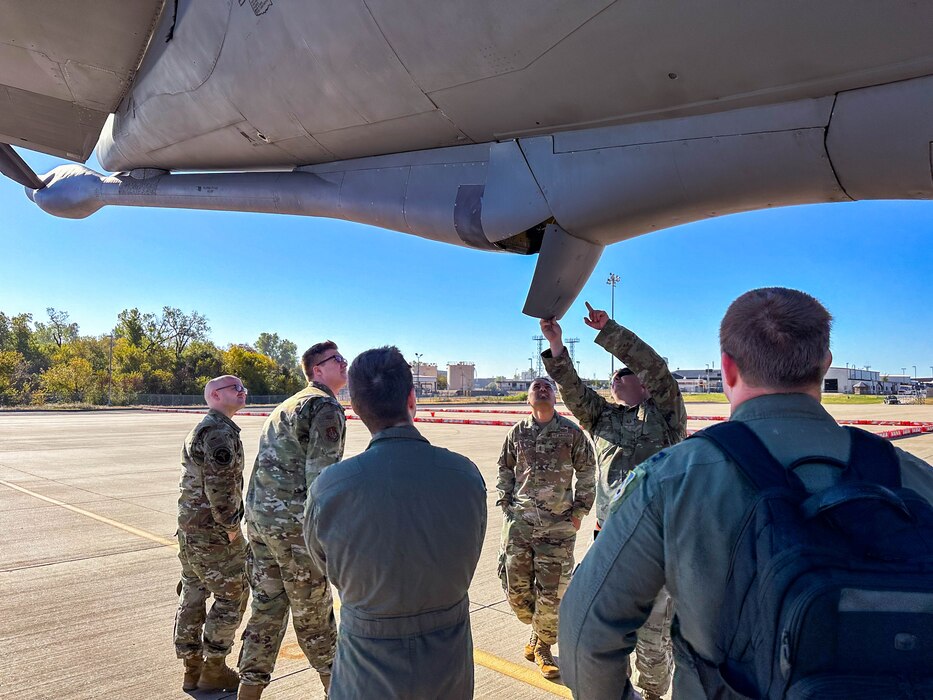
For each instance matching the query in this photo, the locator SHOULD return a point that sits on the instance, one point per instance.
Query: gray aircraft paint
(541, 127)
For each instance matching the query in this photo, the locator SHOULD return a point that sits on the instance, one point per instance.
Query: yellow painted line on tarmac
(94, 516)
(483, 658)
(519, 673)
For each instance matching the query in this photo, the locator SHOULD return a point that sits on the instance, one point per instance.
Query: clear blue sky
(307, 279)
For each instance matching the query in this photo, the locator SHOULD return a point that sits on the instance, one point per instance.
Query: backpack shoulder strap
(746, 449)
(873, 459)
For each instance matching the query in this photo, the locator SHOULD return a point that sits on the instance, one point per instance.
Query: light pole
(915, 371)
(110, 375)
(418, 356)
(613, 280)
(707, 378)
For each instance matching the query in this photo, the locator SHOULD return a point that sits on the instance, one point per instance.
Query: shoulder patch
(623, 488)
(222, 456)
(332, 434)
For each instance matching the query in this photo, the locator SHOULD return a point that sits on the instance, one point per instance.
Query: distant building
(515, 385)
(699, 381)
(424, 375)
(849, 380)
(460, 377)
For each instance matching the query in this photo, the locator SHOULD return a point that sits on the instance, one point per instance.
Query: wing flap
(66, 64)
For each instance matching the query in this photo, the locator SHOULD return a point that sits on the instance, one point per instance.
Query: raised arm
(651, 368)
(585, 404)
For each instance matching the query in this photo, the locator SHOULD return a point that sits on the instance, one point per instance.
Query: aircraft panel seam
(131, 78)
(829, 157)
(690, 138)
(399, 58)
(534, 176)
(531, 61)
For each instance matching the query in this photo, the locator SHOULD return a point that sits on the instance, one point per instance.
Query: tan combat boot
(193, 667)
(216, 675)
(250, 692)
(530, 646)
(545, 661)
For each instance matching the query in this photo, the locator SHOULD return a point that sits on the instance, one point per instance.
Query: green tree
(132, 325)
(69, 380)
(200, 362)
(255, 369)
(14, 378)
(59, 329)
(282, 350)
(288, 378)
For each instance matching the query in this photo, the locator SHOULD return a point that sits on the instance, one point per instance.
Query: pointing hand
(597, 317)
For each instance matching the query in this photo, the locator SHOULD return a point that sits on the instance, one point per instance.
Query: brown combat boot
(216, 675)
(193, 667)
(545, 661)
(530, 646)
(250, 692)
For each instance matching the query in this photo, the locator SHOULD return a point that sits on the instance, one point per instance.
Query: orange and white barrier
(903, 428)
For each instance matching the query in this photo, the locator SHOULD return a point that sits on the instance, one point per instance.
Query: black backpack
(828, 595)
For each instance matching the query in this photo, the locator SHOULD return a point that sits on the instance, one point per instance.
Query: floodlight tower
(613, 280)
(571, 344)
(539, 367)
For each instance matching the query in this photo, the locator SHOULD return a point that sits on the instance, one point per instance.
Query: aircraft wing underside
(529, 126)
(65, 65)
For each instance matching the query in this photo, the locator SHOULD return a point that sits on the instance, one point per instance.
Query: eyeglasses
(239, 388)
(340, 358)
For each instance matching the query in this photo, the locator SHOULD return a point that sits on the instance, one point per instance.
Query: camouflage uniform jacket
(536, 469)
(303, 435)
(211, 477)
(624, 436)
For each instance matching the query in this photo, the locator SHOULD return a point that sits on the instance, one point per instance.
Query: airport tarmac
(88, 566)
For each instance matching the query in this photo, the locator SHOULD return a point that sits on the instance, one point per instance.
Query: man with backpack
(798, 553)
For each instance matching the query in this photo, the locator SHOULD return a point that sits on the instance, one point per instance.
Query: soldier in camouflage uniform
(211, 547)
(543, 512)
(647, 416)
(303, 435)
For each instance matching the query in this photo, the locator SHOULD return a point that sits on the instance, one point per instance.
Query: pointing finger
(588, 307)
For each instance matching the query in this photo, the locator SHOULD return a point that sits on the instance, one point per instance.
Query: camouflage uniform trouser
(284, 577)
(534, 567)
(210, 565)
(653, 651)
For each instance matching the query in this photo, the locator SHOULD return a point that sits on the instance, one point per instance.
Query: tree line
(147, 353)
